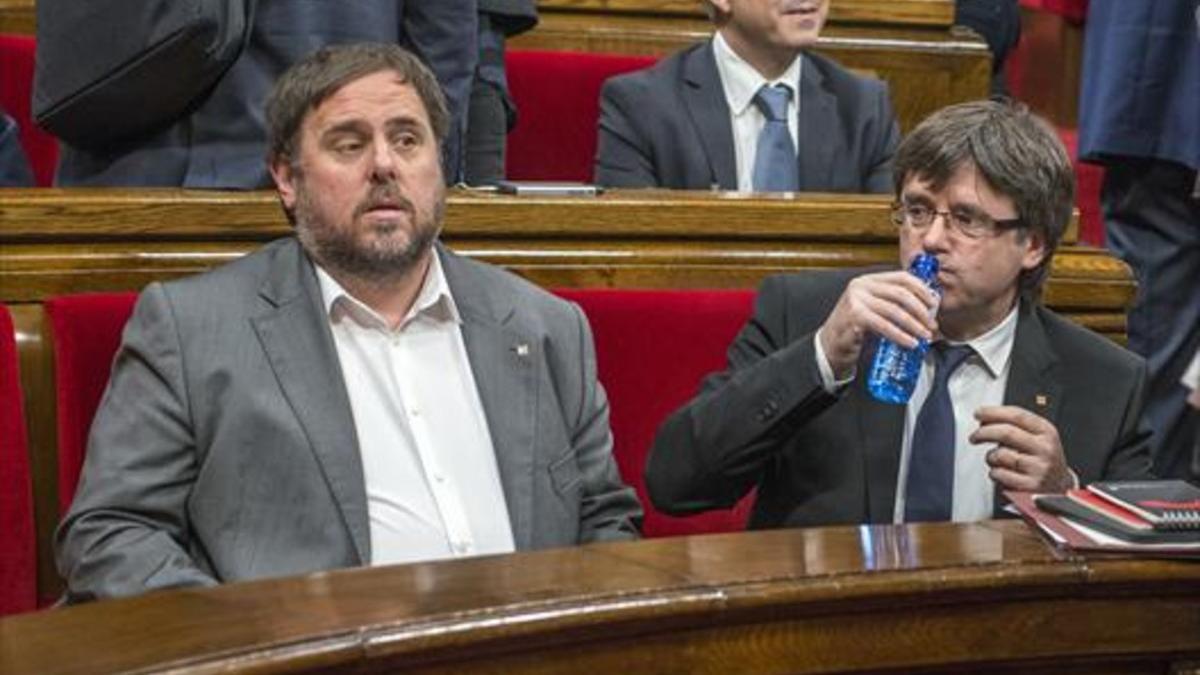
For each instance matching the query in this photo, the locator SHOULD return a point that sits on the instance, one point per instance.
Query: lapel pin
(521, 349)
(1041, 400)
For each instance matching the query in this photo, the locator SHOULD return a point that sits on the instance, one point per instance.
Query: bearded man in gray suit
(354, 395)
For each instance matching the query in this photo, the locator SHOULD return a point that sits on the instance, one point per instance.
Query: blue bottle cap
(924, 266)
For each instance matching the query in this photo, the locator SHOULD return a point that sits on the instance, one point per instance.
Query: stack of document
(1152, 516)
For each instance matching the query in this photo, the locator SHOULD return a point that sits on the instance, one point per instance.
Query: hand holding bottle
(894, 305)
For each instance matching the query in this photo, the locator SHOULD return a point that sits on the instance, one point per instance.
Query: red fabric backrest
(16, 89)
(557, 95)
(86, 334)
(653, 348)
(1072, 10)
(18, 550)
(1089, 179)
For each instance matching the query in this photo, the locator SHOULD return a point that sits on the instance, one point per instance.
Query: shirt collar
(995, 346)
(434, 301)
(741, 81)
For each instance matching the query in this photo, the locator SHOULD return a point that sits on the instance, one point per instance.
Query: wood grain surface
(986, 597)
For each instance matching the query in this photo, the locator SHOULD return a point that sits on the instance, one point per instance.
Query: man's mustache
(384, 196)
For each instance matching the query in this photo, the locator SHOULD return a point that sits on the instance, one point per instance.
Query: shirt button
(439, 478)
(415, 412)
(462, 547)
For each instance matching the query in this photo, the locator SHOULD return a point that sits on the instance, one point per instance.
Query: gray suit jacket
(222, 142)
(224, 447)
(819, 459)
(669, 126)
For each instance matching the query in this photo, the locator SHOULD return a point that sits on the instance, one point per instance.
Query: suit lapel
(295, 335)
(503, 361)
(704, 99)
(881, 430)
(1033, 383)
(817, 116)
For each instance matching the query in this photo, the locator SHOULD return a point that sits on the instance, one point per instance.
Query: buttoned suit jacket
(224, 447)
(669, 126)
(820, 459)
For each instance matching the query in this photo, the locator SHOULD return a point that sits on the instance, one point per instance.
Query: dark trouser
(1152, 220)
(490, 113)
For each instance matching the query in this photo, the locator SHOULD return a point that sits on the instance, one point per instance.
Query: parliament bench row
(652, 349)
(689, 246)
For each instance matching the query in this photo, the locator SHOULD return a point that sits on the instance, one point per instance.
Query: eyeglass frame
(993, 226)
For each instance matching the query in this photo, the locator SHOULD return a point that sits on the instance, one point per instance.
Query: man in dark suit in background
(726, 113)
(1038, 403)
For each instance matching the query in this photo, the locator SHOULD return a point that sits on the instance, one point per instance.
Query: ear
(285, 181)
(1035, 250)
(723, 7)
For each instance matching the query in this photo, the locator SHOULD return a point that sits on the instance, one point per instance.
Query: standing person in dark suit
(14, 167)
(492, 113)
(1036, 403)
(1139, 116)
(221, 142)
(750, 109)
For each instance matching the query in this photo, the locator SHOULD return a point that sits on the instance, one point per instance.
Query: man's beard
(377, 261)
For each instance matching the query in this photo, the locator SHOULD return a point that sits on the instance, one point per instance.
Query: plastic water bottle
(894, 369)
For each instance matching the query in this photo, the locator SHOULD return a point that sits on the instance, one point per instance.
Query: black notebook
(1166, 504)
(1063, 505)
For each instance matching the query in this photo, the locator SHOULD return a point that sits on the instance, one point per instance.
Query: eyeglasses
(969, 225)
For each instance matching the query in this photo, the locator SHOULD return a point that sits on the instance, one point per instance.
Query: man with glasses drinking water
(1010, 396)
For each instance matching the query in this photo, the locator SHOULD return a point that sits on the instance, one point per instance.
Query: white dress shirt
(432, 482)
(979, 381)
(741, 82)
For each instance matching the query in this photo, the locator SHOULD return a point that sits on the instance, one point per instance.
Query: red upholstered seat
(558, 105)
(1089, 178)
(16, 86)
(653, 348)
(86, 334)
(18, 550)
(1072, 10)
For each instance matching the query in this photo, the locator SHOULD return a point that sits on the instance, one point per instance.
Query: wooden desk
(18, 16)
(74, 241)
(988, 597)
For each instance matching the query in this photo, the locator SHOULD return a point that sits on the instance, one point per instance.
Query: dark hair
(321, 74)
(1016, 152)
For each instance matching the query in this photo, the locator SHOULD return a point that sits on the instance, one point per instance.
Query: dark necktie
(930, 489)
(775, 168)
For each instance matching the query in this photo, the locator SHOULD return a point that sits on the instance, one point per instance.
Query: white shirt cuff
(828, 381)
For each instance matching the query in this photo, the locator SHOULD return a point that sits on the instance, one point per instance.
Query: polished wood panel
(986, 597)
(18, 16)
